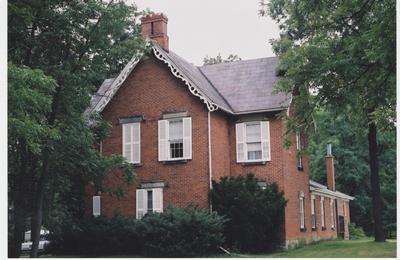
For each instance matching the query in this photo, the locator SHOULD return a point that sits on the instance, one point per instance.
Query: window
(131, 142)
(175, 139)
(332, 215)
(322, 213)
(301, 199)
(148, 200)
(96, 206)
(299, 147)
(253, 141)
(313, 216)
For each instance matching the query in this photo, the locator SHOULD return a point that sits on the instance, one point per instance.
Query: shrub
(98, 237)
(355, 232)
(179, 232)
(254, 215)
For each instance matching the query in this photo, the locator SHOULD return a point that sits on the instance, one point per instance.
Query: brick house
(182, 126)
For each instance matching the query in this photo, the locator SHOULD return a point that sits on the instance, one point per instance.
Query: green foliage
(356, 232)
(99, 236)
(255, 215)
(351, 165)
(215, 60)
(177, 232)
(52, 154)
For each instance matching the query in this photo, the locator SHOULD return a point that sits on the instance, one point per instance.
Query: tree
(345, 52)
(77, 44)
(210, 60)
(350, 149)
(254, 215)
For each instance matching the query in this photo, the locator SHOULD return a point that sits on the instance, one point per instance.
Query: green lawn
(325, 249)
(338, 248)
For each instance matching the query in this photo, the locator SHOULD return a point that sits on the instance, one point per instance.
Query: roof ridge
(219, 93)
(236, 61)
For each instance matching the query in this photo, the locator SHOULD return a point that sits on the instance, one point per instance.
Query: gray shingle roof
(248, 85)
(317, 187)
(237, 87)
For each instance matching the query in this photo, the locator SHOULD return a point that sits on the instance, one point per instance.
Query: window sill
(323, 228)
(180, 161)
(253, 163)
(136, 164)
(303, 229)
(300, 168)
(314, 229)
(333, 228)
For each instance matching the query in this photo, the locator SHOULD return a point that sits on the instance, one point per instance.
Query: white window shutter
(265, 141)
(187, 137)
(241, 142)
(96, 206)
(127, 142)
(135, 143)
(163, 135)
(158, 200)
(141, 203)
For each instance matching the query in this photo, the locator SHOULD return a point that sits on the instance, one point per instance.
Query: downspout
(209, 158)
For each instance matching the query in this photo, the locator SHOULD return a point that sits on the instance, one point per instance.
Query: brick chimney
(330, 169)
(154, 26)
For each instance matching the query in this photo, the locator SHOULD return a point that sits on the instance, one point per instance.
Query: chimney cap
(329, 150)
(154, 16)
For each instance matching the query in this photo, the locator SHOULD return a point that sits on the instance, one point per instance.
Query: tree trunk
(375, 185)
(37, 214)
(19, 230)
(19, 202)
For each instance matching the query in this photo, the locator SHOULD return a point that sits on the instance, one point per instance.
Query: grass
(363, 248)
(366, 248)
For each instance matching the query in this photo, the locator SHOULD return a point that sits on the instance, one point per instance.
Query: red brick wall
(272, 171)
(296, 181)
(220, 145)
(152, 90)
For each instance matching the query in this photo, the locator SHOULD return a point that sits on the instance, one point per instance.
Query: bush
(97, 237)
(176, 232)
(254, 215)
(179, 232)
(355, 232)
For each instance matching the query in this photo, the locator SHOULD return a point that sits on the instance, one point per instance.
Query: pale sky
(199, 28)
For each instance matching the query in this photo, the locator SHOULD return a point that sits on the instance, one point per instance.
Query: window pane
(175, 130)
(176, 149)
(253, 133)
(254, 151)
(149, 201)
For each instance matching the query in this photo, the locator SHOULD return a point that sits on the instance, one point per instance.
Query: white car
(43, 242)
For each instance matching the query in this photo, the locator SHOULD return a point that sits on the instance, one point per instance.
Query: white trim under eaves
(160, 54)
(116, 84)
(331, 194)
(260, 111)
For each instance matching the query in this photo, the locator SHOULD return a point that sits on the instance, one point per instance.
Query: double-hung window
(131, 142)
(148, 200)
(302, 218)
(332, 214)
(175, 139)
(322, 213)
(96, 206)
(253, 141)
(313, 216)
(299, 148)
